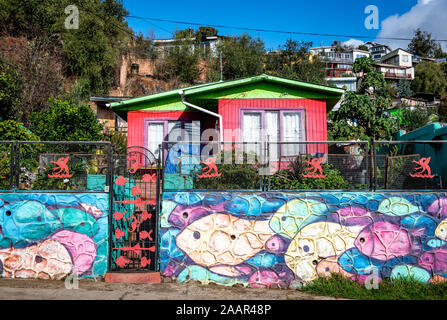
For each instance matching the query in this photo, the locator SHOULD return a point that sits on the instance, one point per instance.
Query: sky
(396, 18)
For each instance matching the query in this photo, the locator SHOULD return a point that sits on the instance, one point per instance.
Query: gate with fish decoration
(135, 206)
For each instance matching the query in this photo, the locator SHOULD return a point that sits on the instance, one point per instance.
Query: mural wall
(50, 236)
(286, 239)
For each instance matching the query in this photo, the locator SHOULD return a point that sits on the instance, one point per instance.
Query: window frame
(303, 128)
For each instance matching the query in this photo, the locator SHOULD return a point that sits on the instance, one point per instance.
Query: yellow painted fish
(223, 239)
(441, 230)
(315, 242)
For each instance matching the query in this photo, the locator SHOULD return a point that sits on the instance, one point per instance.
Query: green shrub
(292, 179)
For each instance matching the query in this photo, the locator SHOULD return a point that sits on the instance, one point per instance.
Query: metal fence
(70, 166)
(410, 165)
(266, 166)
(305, 166)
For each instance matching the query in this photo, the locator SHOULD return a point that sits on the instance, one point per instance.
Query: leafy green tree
(63, 121)
(423, 45)
(362, 113)
(429, 78)
(10, 91)
(242, 56)
(91, 52)
(404, 88)
(416, 118)
(293, 62)
(181, 61)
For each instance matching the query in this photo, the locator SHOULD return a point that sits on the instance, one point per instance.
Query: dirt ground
(18, 289)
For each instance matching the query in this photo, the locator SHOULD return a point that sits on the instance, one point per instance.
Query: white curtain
(155, 135)
(252, 131)
(292, 130)
(272, 132)
(174, 130)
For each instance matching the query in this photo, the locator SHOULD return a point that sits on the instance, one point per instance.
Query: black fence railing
(305, 166)
(53, 166)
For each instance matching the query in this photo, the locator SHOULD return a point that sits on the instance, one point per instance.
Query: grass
(402, 289)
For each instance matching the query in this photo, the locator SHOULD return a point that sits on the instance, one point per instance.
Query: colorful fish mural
(275, 239)
(50, 236)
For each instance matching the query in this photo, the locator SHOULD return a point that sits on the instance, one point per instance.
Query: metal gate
(135, 207)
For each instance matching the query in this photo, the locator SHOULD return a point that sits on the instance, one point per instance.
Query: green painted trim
(296, 89)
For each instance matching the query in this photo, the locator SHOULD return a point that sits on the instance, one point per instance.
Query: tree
(429, 78)
(10, 91)
(63, 121)
(423, 45)
(404, 88)
(242, 56)
(293, 62)
(363, 47)
(362, 113)
(416, 118)
(90, 53)
(181, 61)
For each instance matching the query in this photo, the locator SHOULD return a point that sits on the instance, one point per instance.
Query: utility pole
(221, 73)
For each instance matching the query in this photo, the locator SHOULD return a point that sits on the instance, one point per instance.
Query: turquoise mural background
(52, 235)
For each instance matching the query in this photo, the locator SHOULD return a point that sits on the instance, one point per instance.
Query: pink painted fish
(438, 208)
(383, 241)
(265, 279)
(81, 247)
(434, 260)
(353, 216)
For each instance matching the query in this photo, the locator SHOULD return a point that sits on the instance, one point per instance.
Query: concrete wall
(52, 235)
(286, 239)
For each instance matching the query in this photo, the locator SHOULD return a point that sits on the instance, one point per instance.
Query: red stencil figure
(146, 215)
(133, 163)
(119, 233)
(121, 181)
(135, 191)
(423, 167)
(149, 177)
(122, 261)
(146, 235)
(315, 165)
(210, 167)
(136, 249)
(61, 166)
(145, 262)
(135, 224)
(118, 215)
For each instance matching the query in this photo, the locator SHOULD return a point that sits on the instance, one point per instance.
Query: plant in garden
(292, 178)
(362, 114)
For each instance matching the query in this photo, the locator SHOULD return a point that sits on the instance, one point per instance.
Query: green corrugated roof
(208, 89)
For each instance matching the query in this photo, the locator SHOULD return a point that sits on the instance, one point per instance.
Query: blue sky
(334, 17)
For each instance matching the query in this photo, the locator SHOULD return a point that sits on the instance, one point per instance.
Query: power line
(147, 19)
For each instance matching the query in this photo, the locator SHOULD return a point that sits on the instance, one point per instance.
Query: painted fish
(81, 247)
(183, 215)
(441, 230)
(205, 276)
(434, 260)
(296, 214)
(410, 272)
(277, 244)
(46, 260)
(438, 208)
(353, 261)
(315, 242)
(121, 181)
(264, 259)
(418, 221)
(383, 241)
(351, 216)
(26, 222)
(397, 206)
(253, 205)
(438, 279)
(77, 221)
(436, 243)
(221, 238)
(266, 279)
(328, 266)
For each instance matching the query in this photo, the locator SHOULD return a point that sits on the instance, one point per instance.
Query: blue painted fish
(410, 271)
(397, 206)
